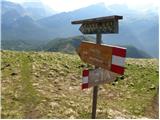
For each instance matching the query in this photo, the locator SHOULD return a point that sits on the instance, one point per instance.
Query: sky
(69, 5)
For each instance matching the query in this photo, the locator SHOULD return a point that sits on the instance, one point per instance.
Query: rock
(50, 74)
(44, 100)
(132, 84)
(36, 74)
(129, 97)
(122, 77)
(66, 66)
(69, 111)
(113, 83)
(55, 81)
(62, 73)
(7, 65)
(152, 87)
(71, 102)
(72, 117)
(13, 74)
(59, 88)
(35, 84)
(54, 104)
(110, 95)
(82, 66)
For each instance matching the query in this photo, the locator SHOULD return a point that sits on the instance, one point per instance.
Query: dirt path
(153, 110)
(28, 93)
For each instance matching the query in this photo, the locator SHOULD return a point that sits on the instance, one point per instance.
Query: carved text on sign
(105, 27)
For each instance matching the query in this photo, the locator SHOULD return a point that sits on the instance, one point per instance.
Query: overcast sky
(69, 5)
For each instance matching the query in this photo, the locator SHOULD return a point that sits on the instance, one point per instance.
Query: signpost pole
(95, 88)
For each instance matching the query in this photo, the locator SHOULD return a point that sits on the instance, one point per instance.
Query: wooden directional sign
(96, 77)
(111, 58)
(108, 57)
(106, 25)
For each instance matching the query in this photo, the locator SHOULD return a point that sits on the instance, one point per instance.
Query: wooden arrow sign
(104, 27)
(108, 24)
(108, 57)
(96, 77)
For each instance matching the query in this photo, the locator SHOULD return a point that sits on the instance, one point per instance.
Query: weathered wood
(95, 54)
(102, 25)
(108, 57)
(95, 88)
(100, 76)
(98, 20)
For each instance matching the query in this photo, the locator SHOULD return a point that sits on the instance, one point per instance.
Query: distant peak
(33, 1)
(101, 4)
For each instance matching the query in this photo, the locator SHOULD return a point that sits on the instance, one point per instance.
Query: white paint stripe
(117, 60)
(85, 80)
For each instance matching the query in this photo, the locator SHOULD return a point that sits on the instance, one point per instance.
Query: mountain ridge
(136, 29)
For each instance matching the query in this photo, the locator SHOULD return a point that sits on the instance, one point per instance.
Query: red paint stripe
(85, 73)
(85, 85)
(117, 69)
(119, 51)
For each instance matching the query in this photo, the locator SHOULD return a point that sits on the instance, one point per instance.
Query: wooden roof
(99, 19)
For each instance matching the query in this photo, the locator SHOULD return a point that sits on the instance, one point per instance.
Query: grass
(47, 85)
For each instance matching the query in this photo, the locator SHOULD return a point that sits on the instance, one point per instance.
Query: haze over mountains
(33, 24)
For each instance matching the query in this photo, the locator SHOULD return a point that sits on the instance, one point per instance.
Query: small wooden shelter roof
(98, 20)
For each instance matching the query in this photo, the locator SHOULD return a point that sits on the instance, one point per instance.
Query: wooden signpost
(110, 58)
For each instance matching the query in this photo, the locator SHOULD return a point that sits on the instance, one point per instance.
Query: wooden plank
(108, 57)
(95, 54)
(97, 20)
(100, 76)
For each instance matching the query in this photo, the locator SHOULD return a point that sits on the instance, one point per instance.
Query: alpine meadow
(97, 61)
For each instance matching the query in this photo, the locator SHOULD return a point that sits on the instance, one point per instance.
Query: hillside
(69, 45)
(65, 45)
(47, 85)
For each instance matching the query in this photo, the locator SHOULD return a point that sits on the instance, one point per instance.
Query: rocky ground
(47, 85)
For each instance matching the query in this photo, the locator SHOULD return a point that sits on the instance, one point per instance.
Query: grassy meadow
(48, 85)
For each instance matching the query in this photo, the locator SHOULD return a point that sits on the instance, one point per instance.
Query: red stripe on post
(119, 51)
(85, 85)
(117, 69)
(85, 73)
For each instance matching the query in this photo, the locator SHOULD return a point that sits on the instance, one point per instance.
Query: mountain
(7, 6)
(137, 29)
(64, 20)
(18, 26)
(10, 12)
(37, 10)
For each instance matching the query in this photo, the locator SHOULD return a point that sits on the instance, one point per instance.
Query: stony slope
(47, 85)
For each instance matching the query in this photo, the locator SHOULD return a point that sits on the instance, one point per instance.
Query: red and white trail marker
(118, 60)
(85, 79)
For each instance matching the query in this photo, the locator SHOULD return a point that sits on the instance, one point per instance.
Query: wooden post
(95, 88)
(98, 26)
